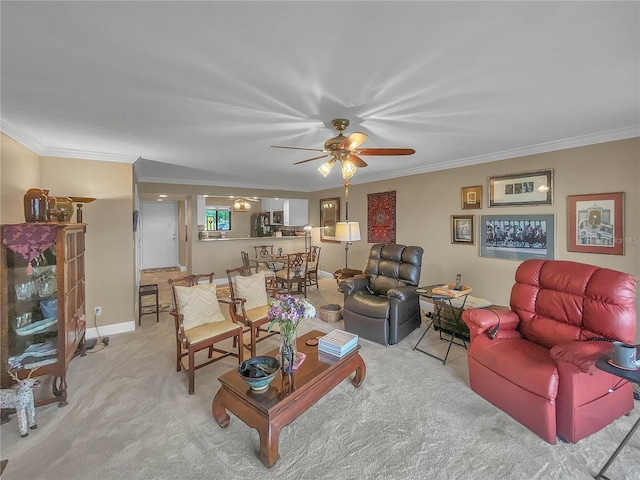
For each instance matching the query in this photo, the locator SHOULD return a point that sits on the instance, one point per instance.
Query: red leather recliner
(540, 366)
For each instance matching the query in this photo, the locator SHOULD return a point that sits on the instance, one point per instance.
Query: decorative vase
(64, 206)
(35, 205)
(288, 351)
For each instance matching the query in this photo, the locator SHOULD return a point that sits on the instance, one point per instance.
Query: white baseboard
(112, 329)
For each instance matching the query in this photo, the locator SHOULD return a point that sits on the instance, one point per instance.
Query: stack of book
(338, 343)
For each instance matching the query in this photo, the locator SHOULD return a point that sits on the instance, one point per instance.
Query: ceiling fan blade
(299, 148)
(353, 141)
(314, 158)
(386, 151)
(357, 161)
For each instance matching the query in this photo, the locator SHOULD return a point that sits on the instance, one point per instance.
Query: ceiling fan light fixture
(326, 167)
(348, 169)
(241, 205)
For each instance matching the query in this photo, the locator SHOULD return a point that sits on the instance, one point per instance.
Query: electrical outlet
(97, 311)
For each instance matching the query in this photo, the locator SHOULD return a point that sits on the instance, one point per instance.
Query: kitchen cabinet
(43, 303)
(296, 212)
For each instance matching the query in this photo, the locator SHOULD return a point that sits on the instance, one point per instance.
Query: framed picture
(526, 188)
(329, 216)
(472, 197)
(462, 230)
(517, 237)
(596, 223)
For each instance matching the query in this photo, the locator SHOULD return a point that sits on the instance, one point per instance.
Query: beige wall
(109, 241)
(425, 203)
(19, 171)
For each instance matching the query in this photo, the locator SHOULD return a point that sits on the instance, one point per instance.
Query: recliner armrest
(480, 320)
(402, 293)
(582, 354)
(349, 286)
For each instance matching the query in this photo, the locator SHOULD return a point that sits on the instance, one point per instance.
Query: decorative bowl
(259, 372)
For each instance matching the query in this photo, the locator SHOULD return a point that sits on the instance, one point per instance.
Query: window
(217, 218)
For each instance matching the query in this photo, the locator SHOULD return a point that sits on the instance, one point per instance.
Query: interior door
(159, 232)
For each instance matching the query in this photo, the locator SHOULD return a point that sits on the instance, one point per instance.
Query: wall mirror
(329, 216)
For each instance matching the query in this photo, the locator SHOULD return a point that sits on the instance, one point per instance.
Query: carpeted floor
(130, 417)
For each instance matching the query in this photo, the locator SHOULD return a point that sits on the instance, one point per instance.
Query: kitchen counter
(258, 239)
(221, 254)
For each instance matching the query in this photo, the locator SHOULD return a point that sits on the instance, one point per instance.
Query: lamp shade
(347, 231)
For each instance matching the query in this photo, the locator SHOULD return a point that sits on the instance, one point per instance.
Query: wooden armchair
(202, 320)
(251, 293)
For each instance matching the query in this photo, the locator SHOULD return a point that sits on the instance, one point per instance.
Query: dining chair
(263, 250)
(202, 320)
(253, 266)
(251, 293)
(294, 273)
(312, 267)
(265, 256)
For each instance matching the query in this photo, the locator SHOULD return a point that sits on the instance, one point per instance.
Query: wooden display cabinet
(43, 304)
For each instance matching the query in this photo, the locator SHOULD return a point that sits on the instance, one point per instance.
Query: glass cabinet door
(32, 310)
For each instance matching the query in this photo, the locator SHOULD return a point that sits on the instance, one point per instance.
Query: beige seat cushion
(208, 330)
(257, 313)
(199, 305)
(283, 274)
(252, 289)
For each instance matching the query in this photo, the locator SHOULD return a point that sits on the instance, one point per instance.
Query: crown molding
(20, 136)
(564, 144)
(580, 141)
(88, 155)
(27, 140)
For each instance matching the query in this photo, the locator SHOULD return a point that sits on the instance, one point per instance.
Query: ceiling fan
(346, 150)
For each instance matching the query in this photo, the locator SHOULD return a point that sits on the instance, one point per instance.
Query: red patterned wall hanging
(381, 217)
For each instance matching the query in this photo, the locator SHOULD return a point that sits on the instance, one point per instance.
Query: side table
(440, 302)
(632, 376)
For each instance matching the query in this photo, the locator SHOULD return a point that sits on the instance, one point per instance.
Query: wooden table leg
(269, 438)
(361, 372)
(218, 409)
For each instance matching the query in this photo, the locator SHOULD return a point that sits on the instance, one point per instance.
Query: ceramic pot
(35, 205)
(64, 206)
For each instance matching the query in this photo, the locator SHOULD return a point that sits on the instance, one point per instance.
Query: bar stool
(151, 289)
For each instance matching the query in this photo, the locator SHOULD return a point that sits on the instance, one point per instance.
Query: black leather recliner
(382, 304)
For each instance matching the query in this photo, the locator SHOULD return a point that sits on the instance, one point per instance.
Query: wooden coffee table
(287, 397)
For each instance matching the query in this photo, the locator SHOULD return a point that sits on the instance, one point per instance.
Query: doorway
(159, 232)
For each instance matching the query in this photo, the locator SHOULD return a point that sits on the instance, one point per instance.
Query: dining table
(274, 262)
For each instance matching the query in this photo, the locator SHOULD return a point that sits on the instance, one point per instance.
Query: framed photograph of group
(517, 237)
(596, 223)
(526, 188)
(462, 229)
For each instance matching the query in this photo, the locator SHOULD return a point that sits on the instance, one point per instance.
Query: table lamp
(347, 232)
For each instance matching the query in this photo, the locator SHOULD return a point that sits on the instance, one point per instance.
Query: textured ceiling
(200, 90)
